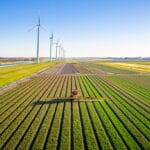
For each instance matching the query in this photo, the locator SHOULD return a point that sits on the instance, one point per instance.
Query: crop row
(133, 88)
(41, 116)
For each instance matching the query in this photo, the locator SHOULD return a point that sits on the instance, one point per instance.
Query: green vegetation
(112, 69)
(14, 73)
(103, 68)
(130, 67)
(111, 112)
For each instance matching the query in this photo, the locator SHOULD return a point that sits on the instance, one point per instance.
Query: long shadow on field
(53, 101)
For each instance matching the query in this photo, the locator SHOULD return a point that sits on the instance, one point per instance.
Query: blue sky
(86, 27)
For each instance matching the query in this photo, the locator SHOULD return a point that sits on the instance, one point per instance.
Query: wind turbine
(51, 44)
(57, 48)
(60, 51)
(64, 53)
(38, 26)
(38, 38)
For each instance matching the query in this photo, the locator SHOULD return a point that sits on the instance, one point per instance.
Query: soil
(67, 69)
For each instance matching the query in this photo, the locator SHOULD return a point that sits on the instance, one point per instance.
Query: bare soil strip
(67, 69)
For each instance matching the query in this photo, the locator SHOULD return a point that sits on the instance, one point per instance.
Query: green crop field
(111, 110)
(142, 67)
(14, 73)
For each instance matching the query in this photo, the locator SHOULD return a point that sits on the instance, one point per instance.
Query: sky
(86, 28)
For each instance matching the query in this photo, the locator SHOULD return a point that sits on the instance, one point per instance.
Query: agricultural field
(14, 73)
(111, 111)
(142, 67)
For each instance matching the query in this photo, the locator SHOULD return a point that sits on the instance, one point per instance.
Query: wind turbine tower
(51, 44)
(63, 53)
(38, 38)
(59, 51)
(57, 46)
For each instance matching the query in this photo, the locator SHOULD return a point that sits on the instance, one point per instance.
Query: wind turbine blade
(44, 29)
(31, 29)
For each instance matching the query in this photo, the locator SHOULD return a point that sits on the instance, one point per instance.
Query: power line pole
(38, 39)
(51, 44)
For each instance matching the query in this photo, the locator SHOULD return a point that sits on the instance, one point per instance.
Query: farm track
(39, 114)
